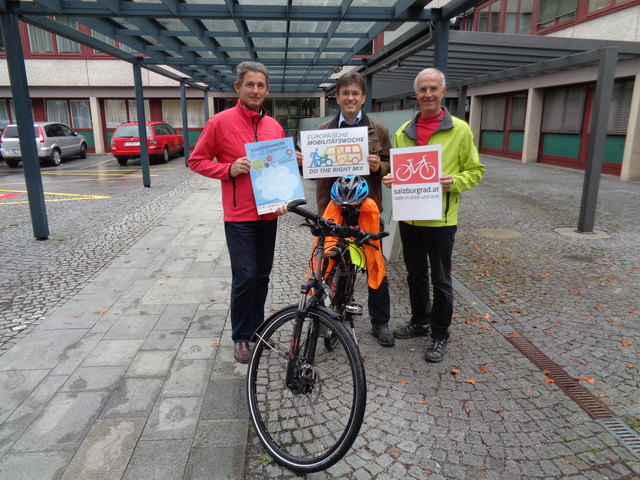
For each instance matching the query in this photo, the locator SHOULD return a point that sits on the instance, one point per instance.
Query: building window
(64, 44)
(80, 114)
(172, 113)
(58, 111)
(41, 41)
(133, 111)
(489, 17)
(620, 107)
(563, 109)
(554, 12)
(493, 112)
(115, 112)
(6, 113)
(518, 16)
(75, 113)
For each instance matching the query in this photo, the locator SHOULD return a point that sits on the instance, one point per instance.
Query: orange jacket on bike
(368, 221)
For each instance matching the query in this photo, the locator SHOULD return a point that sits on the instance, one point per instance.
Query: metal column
(206, 106)
(24, 119)
(462, 103)
(441, 41)
(185, 120)
(599, 120)
(368, 79)
(142, 125)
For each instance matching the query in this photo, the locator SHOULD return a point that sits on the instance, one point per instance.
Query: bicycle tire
(313, 430)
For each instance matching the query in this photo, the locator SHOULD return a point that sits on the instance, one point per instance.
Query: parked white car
(54, 141)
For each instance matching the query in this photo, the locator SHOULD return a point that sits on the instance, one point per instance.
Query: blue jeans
(424, 249)
(251, 246)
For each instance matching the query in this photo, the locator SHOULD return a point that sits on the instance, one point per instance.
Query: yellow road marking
(76, 196)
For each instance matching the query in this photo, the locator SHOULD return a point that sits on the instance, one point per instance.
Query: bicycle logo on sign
(423, 168)
(337, 155)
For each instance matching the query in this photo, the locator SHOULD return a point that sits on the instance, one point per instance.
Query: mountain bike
(307, 397)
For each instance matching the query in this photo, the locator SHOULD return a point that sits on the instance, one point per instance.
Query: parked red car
(162, 141)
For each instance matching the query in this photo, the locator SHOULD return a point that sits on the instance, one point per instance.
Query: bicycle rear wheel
(306, 429)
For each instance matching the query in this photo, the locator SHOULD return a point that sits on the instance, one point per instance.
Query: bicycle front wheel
(311, 427)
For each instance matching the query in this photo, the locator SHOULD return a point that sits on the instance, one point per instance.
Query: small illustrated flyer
(416, 193)
(274, 174)
(335, 152)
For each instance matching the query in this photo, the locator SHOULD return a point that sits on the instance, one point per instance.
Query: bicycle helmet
(349, 190)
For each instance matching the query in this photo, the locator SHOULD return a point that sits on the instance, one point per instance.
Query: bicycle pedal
(353, 308)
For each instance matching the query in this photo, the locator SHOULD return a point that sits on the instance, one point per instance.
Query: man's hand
(446, 181)
(240, 167)
(299, 158)
(387, 180)
(282, 210)
(374, 162)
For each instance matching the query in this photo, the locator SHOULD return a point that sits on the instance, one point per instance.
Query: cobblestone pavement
(85, 236)
(486, 411)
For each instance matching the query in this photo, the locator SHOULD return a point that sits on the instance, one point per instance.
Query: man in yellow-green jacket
(428, 244)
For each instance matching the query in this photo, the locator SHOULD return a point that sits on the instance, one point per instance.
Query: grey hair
(428, 71)
(245, 67)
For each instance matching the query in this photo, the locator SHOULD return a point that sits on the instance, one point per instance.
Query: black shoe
(435, 351)
(384, 336)
(412, 330)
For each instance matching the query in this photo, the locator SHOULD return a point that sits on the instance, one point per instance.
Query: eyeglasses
(347, 93)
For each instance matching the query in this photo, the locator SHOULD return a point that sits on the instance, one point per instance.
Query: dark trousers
(379, 304)
(428, 250)
(251, 246)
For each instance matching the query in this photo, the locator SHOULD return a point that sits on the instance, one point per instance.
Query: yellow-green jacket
(459, 159)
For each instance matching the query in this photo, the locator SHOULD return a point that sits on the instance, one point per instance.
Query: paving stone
(158, 459)
(28, 466)
(105, 452)
(133, 398)
(173, 418)
(63, 423)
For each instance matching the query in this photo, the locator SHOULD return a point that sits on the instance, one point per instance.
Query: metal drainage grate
(571, 387)
(623, 433)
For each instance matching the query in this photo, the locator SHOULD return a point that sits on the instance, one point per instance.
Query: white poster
(416, 189)
(336, 152)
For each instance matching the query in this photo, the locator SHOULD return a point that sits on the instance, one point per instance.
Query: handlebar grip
(295, 207)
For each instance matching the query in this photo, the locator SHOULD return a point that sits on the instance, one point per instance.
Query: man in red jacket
(220, 153)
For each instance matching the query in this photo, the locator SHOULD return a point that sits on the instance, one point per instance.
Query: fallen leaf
(484, 369)
(603, 395)
(167, 276)
(590, 380)
(212, 299)
(455, 371)
(528, 390)
(512, 335)
(102, 312)
(630, 365)
(215, 344)
(471, 380)
(424, 402)
(546, 372)
(364, 356)
(625, 342)
(403, 382)
(549, 380)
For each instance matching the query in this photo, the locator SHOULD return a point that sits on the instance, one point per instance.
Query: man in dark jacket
(350, 96)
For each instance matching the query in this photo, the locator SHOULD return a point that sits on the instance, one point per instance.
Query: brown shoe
(241, 352)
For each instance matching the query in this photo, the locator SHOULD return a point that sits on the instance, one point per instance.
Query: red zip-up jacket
(221, 143)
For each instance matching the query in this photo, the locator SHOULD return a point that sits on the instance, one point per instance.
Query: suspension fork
(297, 357)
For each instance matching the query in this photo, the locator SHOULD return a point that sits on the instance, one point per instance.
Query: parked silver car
(54, 141)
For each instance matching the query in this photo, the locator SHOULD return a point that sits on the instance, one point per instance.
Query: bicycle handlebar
(322, 226)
